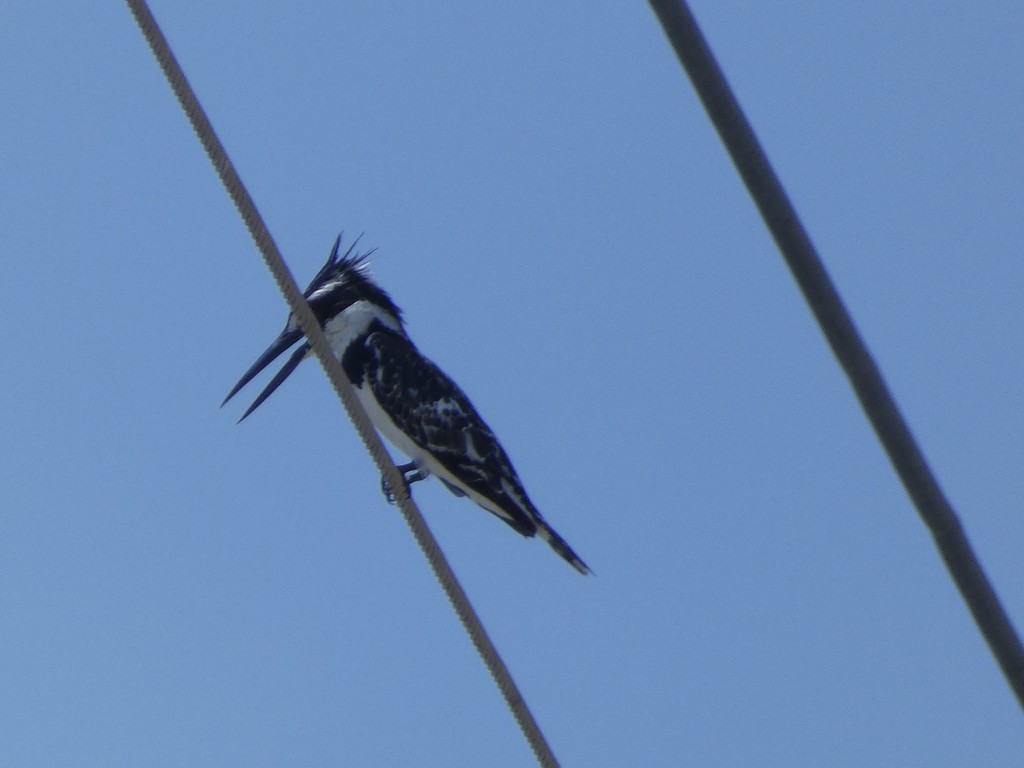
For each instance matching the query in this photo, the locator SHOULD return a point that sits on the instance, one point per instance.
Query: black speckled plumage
(414, 404)
(435, 413)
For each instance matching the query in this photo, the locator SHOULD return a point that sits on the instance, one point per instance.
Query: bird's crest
(341, 281)
(352, 262)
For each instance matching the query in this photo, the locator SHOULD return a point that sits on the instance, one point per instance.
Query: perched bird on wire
(410, 401)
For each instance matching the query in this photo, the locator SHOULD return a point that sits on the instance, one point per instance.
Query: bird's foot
(411, 473)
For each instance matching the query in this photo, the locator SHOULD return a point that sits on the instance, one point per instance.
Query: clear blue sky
(568, 240)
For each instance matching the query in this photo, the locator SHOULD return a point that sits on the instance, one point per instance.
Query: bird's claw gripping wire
(411, 473)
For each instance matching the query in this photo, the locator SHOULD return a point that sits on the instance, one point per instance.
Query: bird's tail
(560, 546)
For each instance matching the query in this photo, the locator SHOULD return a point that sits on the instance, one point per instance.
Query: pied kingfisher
(410, 401)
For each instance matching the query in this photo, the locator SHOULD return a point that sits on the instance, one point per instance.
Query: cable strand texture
(849, 348)
(307, 321)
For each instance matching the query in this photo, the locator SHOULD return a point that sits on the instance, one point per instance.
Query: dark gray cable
(878, 404)
(307, 321)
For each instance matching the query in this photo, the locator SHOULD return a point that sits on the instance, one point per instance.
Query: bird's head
(341, 284)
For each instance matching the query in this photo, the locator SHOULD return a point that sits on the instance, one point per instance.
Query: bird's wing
(436, 415)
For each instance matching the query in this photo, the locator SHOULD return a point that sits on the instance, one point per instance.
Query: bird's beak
(281, 343)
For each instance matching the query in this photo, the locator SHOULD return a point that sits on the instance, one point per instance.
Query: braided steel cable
(850, 350)
(307, 321)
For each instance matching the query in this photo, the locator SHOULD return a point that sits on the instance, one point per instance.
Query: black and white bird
(410, 401)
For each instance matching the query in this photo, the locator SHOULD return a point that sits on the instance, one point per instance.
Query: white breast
(352, 322)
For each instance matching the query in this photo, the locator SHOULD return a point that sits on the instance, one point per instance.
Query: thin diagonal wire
(865, 377)
(307, 321)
